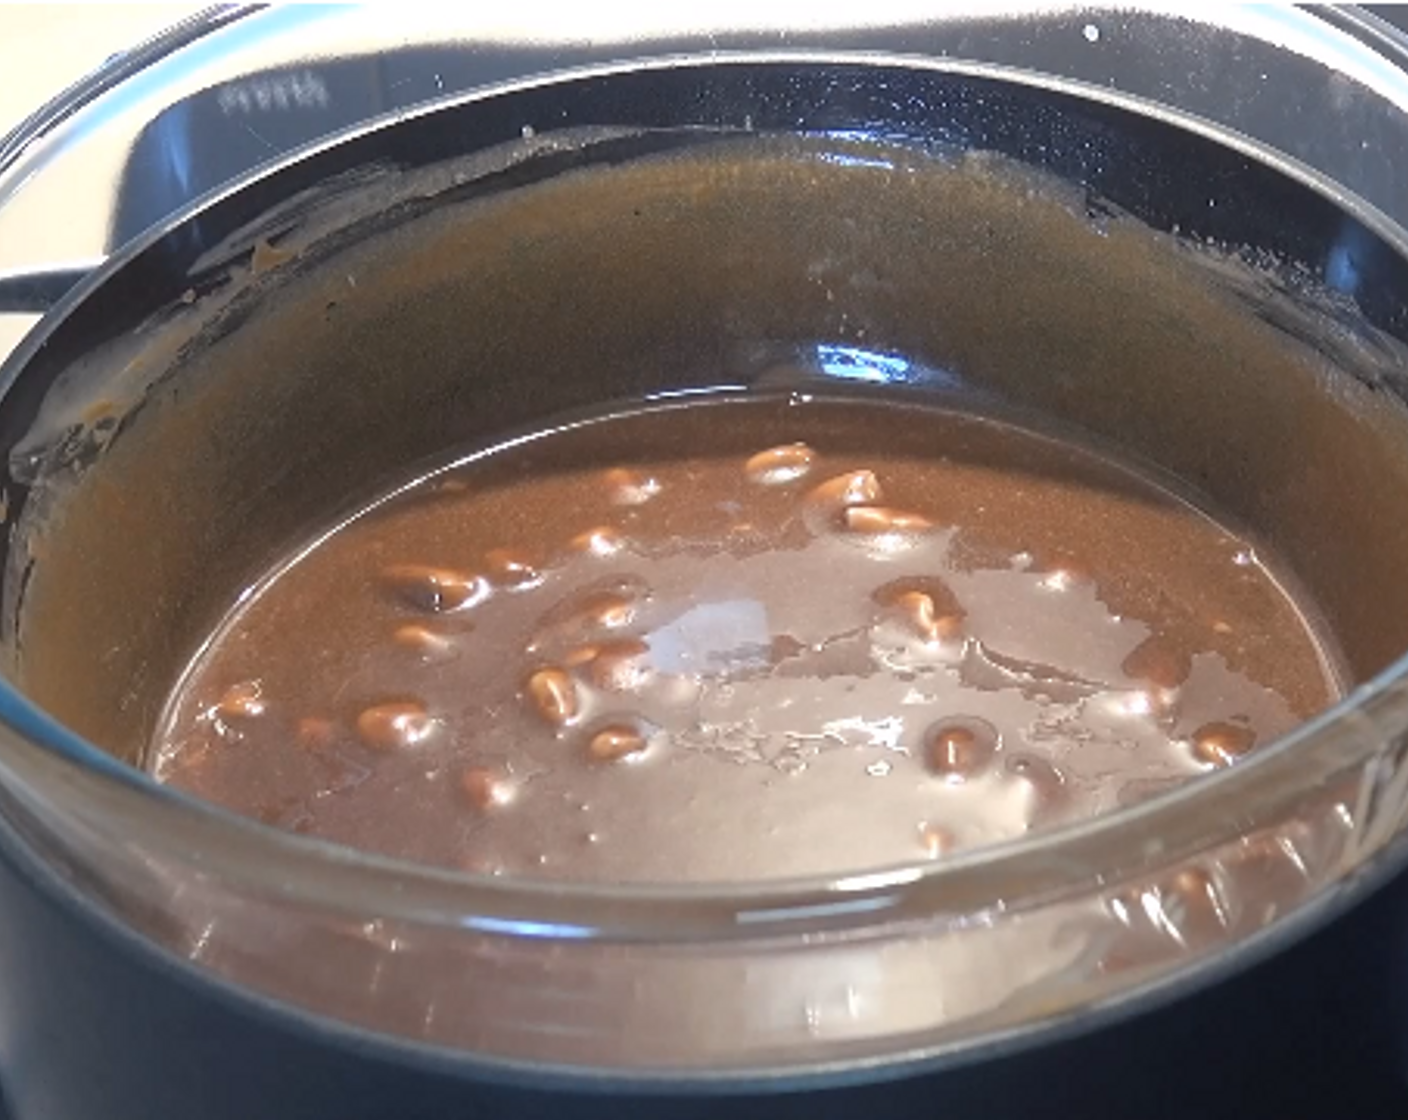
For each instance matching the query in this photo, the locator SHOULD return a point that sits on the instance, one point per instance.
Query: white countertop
(46, 47)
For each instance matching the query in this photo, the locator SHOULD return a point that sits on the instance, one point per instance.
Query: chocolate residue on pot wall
(485, 316)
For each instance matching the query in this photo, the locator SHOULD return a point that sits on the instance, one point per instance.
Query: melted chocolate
(743, 640)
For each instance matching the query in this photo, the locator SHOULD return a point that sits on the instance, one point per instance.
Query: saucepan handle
(33, 292)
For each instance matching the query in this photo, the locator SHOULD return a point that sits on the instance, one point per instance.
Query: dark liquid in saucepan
(744, 640)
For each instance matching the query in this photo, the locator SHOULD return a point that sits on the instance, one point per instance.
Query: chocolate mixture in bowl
(743, 639)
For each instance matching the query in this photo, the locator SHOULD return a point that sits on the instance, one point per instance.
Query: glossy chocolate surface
(744, 640)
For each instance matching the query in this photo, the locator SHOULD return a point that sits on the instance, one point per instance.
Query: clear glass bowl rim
(46, 763)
